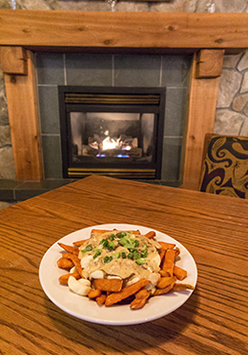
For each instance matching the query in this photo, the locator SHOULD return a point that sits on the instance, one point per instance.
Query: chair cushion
(225, 167)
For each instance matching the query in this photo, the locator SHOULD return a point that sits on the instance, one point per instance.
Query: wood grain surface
(213, 228)
(96, 29)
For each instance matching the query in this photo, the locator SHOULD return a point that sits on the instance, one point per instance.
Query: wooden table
(214, 229)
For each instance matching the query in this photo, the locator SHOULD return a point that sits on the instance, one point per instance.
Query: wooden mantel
(206, 35)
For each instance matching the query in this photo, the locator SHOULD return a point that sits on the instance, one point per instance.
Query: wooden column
(21, 91)
(203, 90)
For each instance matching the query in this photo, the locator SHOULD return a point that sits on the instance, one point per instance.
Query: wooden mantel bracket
(202, 100)
(18, 67)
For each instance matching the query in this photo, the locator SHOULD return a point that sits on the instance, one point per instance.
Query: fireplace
(113, 131)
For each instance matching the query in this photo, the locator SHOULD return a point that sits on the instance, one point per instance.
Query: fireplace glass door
(115, 132)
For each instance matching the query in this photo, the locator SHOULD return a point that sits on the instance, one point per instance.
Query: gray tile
(49, 109)
(175, 111)
(89, 69)
(137, 70)
(171, 159)
(175, 70)
(50, 68)
(52, 156)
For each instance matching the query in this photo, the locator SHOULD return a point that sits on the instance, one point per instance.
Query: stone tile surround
(232, 107)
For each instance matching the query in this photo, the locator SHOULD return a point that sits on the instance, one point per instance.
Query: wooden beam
(200, 120)
(78, 29)
(21, 92)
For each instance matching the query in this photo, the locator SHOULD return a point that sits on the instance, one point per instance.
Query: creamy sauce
(121, 254)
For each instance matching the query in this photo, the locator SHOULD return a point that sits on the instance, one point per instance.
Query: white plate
(86, 309)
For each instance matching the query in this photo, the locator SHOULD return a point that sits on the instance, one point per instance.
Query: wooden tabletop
(214, 229)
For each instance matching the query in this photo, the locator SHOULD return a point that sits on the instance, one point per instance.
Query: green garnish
(130, 256)
(116, 255)
(140, 261)
(123, 255)
(136, 243)
(104, 242)
(88, 248)
(97, 253)
(111, 245)
(107, 259)
(112, 237)
(144, 254)
(121, 234)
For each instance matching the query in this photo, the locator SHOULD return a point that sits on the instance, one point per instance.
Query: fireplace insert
(114, 131)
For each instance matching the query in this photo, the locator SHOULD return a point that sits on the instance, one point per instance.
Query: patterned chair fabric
(225, 166)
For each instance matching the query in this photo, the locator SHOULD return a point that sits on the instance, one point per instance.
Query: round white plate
(88, 310)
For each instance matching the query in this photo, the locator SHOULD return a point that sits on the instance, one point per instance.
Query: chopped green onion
(130, 256)
(123, 255)
(88, 248)
(136, 243)
(107, 259)
(111, 245)
(121, 234)
(97, 253)
(104, 242)
(144, 254)
(112, 237)
(140, 261)
(116, 255)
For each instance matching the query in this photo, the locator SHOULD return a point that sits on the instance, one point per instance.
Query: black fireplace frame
(122, 169)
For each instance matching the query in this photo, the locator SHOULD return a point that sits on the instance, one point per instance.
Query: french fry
(166, 281)
(94, 293)
(162, 291)
(163, 273)
(109, 285)
(169, 259)
(76, 262)
(180, 273)
(68, 248)
(140, 300)
(182, 287)
(64, 278)
(101, 299)
(166, 246)
(162, 254)
(78, 243)
(150, 235)
(125, 292)
(63, 263)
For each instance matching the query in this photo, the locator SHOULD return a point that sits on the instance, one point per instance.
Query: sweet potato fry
(166, 246)
(162, 254)
(168, 263)
(125, 292)
(78, 243)
(64, 278)
(166, 281)
(140, 300)
(68, 248)
(150, 235)
(101, 299)
(179, 273)
(182, 287)
(163, 273)
(64, 263)
(162, 291)
(94, 293)
(76, 262)
(110, 285)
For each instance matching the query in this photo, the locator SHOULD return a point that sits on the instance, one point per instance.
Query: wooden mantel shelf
(68, 30)
(206, 35)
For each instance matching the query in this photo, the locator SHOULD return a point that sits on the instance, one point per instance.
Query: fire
(110, 143)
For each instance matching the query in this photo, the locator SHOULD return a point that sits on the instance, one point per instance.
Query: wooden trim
(21, 92)
(126, 30)
(13, 60)
(200, 120)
